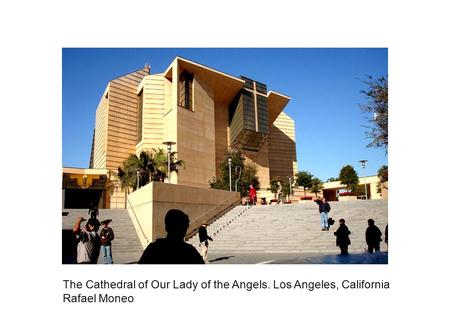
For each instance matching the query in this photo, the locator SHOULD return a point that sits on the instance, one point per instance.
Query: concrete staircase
(126, 247)
(222, 223)
(292, 228)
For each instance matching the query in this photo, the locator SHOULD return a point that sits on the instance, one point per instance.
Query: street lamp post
(290, 187)
(363, 164)
(138, 173)
(229, 170)
(116, 189)
(169, 150)
(238, 172)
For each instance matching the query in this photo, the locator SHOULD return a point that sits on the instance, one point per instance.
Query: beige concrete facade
(190, 104)
(375, 190)
(148, 206)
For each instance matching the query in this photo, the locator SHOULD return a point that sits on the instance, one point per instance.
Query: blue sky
(324, 86)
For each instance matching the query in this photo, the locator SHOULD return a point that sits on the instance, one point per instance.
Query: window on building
(140, 115)
(185, 89)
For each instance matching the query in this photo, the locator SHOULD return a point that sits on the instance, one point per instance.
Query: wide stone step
(293, 228)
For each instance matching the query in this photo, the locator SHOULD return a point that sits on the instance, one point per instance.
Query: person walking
(373, 236)
(203, 236)
(324, 209)
(342, 237)
(106, 237)
(252, 194)
(88, 247)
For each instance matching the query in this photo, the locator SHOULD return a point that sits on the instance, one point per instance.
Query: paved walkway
(287, 258)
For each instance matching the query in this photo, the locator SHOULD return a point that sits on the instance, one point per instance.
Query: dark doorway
(82, 198)
(330, 195)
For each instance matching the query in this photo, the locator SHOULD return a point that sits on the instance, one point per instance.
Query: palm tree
(316, 185)
(160, 164)
(131, 166)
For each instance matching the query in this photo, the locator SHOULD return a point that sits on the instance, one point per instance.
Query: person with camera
(324, 209)
(88, 247)
(106, 236)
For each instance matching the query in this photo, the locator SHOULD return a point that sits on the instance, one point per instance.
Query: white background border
(33, 34)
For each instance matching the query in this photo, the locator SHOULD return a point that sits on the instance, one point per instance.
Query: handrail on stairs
(139, 224)
(208, 221)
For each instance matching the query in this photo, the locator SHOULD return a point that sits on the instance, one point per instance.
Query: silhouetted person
(324, 209)
(342, 239)
(172, 249)
(203, 236)
(373, 237)
(386, 234)
(93, 211)
(106, 237)
(88, 248)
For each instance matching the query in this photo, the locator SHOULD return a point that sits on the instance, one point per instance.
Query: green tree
(304, 179)
(377, 108)
(383, 173)
(349, 177)
(332, 179)
(248, 174)
(151, 167)
(159, 160)
(128, 172)
(316, 185)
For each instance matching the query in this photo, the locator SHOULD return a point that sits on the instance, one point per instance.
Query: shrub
(346, 193)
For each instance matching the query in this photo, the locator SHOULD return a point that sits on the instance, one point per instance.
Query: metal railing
(137, 220)
(206, 219)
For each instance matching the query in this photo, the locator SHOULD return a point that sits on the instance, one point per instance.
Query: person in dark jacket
(386, 235)
(106, 237)
(373, 236)
(324, 209)
(342, 239)
(93, 211)
(172, 249)
(203, 236)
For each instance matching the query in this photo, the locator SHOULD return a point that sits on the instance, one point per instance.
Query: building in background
(205, 112)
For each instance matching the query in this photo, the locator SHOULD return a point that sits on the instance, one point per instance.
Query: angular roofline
(129, 73)
(179, 58)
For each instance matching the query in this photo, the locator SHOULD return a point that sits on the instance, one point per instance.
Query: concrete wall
(122, 118)
(384, 190)
(149, 205)
(261, 160)
(101, 121)
(153, 87)
(282, 151)
(196, 138)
